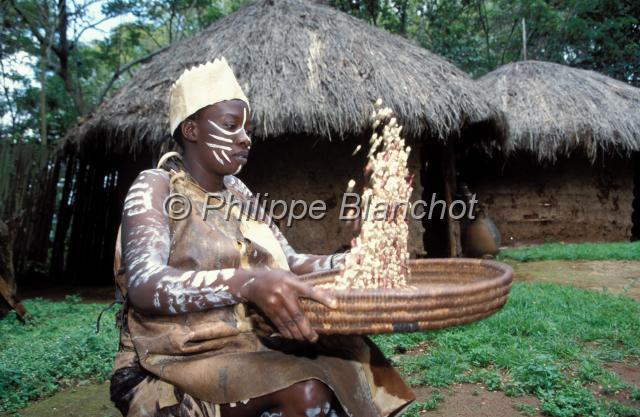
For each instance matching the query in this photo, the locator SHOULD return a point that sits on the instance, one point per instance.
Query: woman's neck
(210, 182)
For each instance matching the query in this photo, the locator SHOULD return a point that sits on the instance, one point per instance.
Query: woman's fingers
(291, 324)
(282, 315)
(284, 330)
(320, 296)
(300, 320)
(278, 298)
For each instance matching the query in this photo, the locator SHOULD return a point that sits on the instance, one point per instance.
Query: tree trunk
(43, 95)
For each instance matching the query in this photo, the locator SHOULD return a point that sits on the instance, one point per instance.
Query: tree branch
(24, 16)
(124, 69)
(91, 26)
(506, 45)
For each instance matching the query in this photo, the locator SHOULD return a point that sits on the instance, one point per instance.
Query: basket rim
(503, 277)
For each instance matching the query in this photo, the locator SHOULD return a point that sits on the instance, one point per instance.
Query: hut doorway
(635, 216)
(437, 174)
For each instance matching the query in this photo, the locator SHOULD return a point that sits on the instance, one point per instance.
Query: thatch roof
(553, 109)
(307, 69)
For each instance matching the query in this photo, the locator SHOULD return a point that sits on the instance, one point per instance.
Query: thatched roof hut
(311, 74)
(307, 69)
(553, 109)
(569, 171)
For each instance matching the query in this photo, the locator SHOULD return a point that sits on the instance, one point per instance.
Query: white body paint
(313, 412)
(153, 285)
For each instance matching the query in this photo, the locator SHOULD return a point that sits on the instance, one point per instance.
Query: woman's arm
(299, 263)
(153, 286)
(304, 263)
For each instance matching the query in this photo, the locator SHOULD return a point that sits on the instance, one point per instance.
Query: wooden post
(450, 185)
(56, 267)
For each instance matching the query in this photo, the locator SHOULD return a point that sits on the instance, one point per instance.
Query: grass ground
(550, 341)
(620, 251)
(553, 348)
(59, 348)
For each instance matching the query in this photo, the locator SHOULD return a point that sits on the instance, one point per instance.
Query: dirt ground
(618, 277)
(468, 400)
(90, 400)
(465, 400)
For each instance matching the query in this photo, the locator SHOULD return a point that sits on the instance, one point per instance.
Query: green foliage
(574, 251)
(167, 21)
(417, 409)
(59, 348)
(526, 409)
(46, 63)
(480, 35)
(549, 341)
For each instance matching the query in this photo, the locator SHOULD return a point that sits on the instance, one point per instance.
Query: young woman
(212, 325)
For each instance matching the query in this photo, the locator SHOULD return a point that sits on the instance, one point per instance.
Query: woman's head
(217, 137)
(209, 117)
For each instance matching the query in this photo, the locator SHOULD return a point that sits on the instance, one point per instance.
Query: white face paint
(235, 132)
(217, 157)
(220, 145)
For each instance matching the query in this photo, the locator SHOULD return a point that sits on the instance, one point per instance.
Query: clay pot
(481, 238)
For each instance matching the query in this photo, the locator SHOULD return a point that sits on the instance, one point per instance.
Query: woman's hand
(276, 293)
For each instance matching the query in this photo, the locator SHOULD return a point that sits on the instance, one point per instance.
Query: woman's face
(220, 135)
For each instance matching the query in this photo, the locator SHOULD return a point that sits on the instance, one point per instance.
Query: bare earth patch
(618, 277)
(628, 373)
(473, 400)
(83, 401)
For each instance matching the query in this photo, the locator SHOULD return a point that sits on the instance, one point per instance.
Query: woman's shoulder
(155, 178)
(153, 174)
(147, 192)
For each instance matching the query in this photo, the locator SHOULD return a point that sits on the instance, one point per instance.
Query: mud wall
(569, 201)
(304, 168)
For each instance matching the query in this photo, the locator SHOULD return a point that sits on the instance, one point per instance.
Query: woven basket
(448, 292)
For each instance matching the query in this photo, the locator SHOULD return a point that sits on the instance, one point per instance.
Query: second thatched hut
(571, 172)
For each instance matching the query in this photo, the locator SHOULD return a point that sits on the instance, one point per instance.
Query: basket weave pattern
(447, 292)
